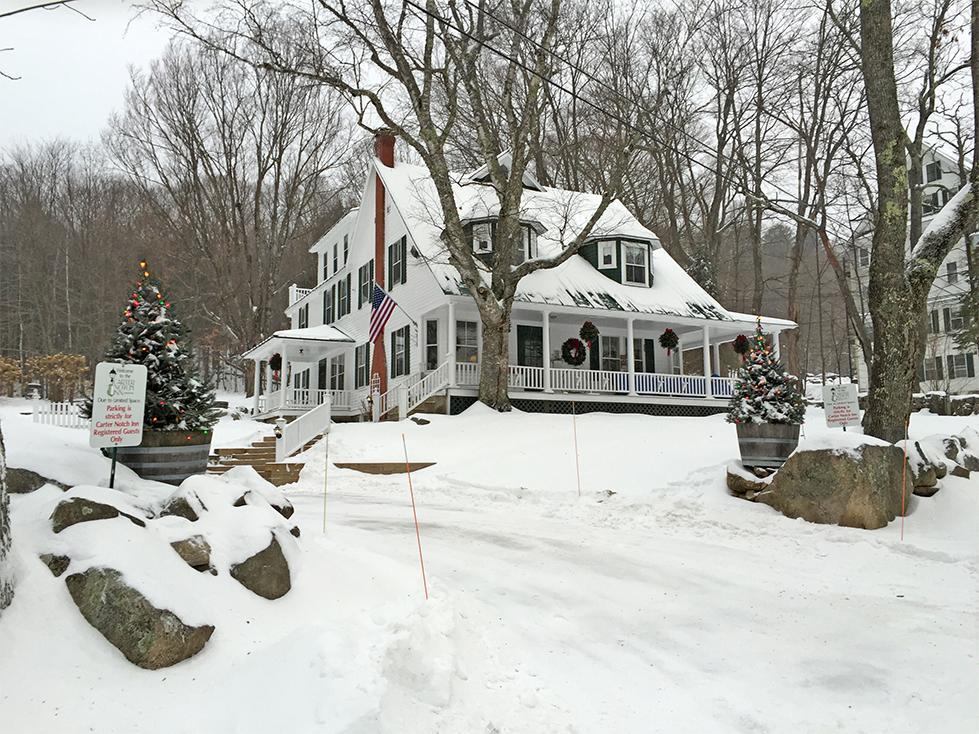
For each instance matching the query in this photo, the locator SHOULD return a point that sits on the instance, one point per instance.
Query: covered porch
(291, 373)
(625, 363)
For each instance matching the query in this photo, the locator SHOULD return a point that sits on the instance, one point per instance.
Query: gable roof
(563, 214)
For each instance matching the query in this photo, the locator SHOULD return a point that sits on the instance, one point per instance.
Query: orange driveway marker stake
(414, 512)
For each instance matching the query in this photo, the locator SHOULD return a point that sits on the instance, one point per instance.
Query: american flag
(382, 306)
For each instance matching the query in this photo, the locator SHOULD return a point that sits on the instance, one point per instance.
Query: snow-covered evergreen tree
(176, 398)
(763, 391)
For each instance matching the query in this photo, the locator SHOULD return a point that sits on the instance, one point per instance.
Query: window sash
(956, 319)
(431, 344)
(467, 342)
(336, 260)
(952, 272)
(399, 356)
(482, 240)
(606, 254)
(613, 355)
(337, 370)
(365, 278)
(635, 264)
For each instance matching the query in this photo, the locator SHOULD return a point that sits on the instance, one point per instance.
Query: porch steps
(261, 456)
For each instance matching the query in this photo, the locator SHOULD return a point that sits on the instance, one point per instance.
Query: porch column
(717, 359)
(268, 383)
(679, 352)
(314, 383)
(257, 384)
(450, 343)
(283, 379)
(630, 355)
(775, 346)
(707, 386)
(546, 343)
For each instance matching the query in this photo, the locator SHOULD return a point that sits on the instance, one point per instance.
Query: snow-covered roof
(574, 283)
(765, 320)
(323, 333)
(345, 222)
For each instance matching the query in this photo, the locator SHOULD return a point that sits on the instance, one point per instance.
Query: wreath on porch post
(669, 341)
(741, 346)
(589, 333)
(573, 352)
(275, 362)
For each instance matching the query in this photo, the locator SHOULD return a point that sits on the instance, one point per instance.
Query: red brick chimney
(384, 146)
(384, 151)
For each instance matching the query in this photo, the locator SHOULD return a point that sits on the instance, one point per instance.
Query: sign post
(118, 401)
(842, 405)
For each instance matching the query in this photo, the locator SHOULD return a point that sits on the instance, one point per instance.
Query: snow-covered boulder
(148, 636)
(76, 509)
(743, 483)
(184, 503)
(856, 482)
(265, 573)
(195, 551)
(24, 481)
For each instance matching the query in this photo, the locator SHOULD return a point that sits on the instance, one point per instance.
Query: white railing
(302, 430)
(721, 387)
(526, 378)
(65, 415)
(297, 294)
(305, 399)
(589, 380)
(467, 373)
(648, 383)
(431, 383)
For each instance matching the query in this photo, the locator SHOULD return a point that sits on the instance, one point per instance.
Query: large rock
(22, 481)
(266, 573)
(859, 488)
(183, 503)
(195, 551)
(57, 564)
(741, 482)
(149, 637)
(79, 509)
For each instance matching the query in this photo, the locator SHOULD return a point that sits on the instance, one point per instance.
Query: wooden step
(251, 451)
(383, 467)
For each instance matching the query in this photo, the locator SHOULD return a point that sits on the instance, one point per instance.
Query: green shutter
(939, 368)
(947, 317)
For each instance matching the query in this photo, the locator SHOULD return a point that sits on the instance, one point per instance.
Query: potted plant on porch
(766, 407)
(180, 410)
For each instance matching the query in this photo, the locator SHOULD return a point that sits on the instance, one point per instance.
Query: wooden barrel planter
(168, 456)
(766, 445)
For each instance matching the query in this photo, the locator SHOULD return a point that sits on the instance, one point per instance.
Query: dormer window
(528, 244)
(636, 268)
(606, 254)
(482, 238)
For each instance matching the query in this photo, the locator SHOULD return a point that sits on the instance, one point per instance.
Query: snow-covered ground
(654, 602)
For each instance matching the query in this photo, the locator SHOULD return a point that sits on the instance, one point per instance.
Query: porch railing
(565, 379)
(305, 399)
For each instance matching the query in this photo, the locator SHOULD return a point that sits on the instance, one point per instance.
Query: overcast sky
(73, 71)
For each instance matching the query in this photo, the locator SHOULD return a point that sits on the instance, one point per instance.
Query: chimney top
(384, 146)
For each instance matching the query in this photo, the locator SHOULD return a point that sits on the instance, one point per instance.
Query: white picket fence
(65, 415)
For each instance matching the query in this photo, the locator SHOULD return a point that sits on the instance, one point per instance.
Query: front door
(530, 346)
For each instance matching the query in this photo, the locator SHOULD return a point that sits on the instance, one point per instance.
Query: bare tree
(417, 68)
(235, 163)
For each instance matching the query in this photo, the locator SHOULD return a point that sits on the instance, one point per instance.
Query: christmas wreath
(573, 351)
(669, 341)
(275, 362)
(741, 345)
(588, 333)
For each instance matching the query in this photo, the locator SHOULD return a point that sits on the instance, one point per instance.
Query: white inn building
(622, 280)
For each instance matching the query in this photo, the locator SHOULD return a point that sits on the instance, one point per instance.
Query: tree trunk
(6, 582)
(494, 367)
(894, 312)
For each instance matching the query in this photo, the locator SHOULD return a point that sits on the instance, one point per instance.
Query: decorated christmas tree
(176, 398)
(763, 391)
